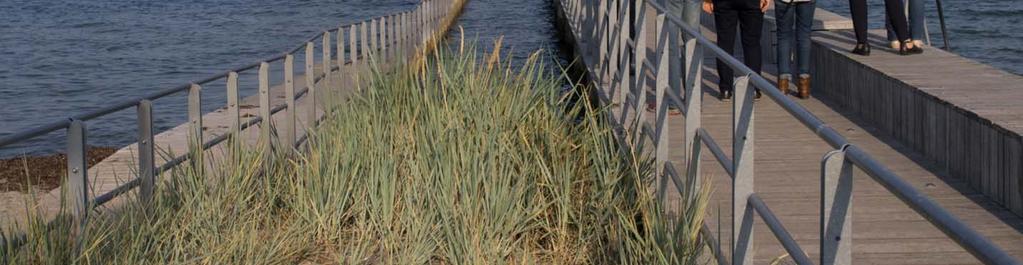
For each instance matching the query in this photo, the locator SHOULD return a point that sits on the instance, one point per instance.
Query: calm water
(62, 57)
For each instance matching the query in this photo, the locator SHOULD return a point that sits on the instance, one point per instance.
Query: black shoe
(725, 95)
(757, 95)
(862, 49)
(909, 51)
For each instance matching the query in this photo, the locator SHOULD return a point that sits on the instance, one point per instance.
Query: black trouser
(750, 23)
(895, 16)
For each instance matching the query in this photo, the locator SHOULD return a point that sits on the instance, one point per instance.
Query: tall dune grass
(457, 161)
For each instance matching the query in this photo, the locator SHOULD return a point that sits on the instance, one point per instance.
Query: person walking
(916, 25)
(748, 16)
(796, 14)
(893, 9)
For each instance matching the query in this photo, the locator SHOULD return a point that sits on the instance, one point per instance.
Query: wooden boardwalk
(787, 178)
(958, 112)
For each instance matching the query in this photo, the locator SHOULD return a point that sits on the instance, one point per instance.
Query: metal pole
(147, 166)
(78, 182)
(77, 192)
(944, 30)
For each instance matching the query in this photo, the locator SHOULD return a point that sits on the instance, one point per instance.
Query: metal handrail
(944, 30)
(779, 230)
(132, 102)
(969, 239)
(424, 15)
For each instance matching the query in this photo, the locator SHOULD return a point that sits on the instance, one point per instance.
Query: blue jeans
(916, 21)
(800, 17)
(690, 13)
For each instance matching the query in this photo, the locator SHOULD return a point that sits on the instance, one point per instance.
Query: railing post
(406, 29)
(392, 42)
(364, 40)
(694, 101)
(602, 31)
(340, 57)
(742, 181)
(146, 159)
(611, 62)
(663, 81)
(289, 95)
(384, 39)
(353, 47)
(399, 51)
(310, 84)
(232, 104)
(836, 209)
(640, 62)
(625, 82)
(374, 40)
(429, 18)
(421, 26)
(325, 63)
(195, 130)
(264, 107)
(77, 190)
(77, 166)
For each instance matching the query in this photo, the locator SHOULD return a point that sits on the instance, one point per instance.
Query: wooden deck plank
(885, 230)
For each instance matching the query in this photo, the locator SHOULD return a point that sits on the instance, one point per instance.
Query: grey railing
(606, 27)
(383, 38)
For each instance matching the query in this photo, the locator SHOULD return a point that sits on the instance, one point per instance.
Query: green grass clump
(456, 161)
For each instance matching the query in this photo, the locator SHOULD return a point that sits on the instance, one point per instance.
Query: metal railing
(384, 38)
(605, 29)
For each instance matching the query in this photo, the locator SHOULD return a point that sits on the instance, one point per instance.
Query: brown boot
(804, 87)
(783, 85)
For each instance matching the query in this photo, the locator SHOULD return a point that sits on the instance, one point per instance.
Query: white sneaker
(896, 45)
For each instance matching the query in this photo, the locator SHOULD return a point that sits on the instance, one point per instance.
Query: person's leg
(858, 8)
(751, 23)
(804, 26)
(916, 19)
(725, 22)
(894, 10)
(889, 30)
(691, 12)
(784, 17)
